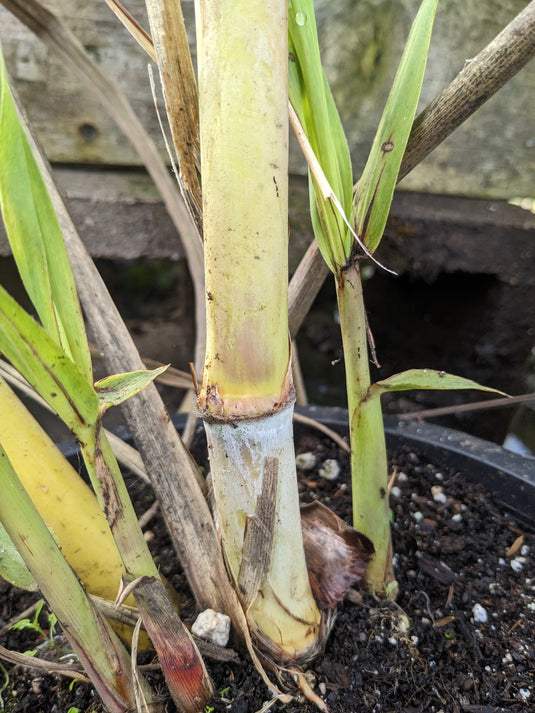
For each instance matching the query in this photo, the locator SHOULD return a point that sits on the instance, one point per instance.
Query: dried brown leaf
(444, 621)
(336, 553)
(515, 547)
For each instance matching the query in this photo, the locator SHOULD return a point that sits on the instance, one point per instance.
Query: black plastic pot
(509, 477)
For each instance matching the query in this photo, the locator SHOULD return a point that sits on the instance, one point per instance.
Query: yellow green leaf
(113, 390)
(426, 379)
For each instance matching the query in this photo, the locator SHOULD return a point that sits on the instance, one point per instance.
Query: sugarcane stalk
(247, 395)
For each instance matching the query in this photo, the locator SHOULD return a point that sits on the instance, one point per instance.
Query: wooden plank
(71, 126)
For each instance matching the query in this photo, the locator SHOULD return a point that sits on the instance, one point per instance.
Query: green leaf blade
(113, 390)
(35, 236)
(375, 188)
(12, 567)
(44, 364)
(428, 379)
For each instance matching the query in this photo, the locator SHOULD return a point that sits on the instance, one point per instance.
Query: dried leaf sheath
(188, 681)
(336, 553)
(180, 92)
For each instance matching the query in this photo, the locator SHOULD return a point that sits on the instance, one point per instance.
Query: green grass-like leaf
(312, 100)
(12, 566)
(113, 390)
(375, 188)
(46, 366)
(426, 379)
(35, 236)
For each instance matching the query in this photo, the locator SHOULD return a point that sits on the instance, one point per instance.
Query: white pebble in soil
(480, 614)
(212, 626)
(517, 564)
(305, 461)
(330, 469)
(395, 492)
(439, 496)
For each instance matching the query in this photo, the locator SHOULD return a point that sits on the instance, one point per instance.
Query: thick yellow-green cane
(247, 395)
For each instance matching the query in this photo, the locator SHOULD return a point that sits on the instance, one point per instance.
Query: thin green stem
(369, 468)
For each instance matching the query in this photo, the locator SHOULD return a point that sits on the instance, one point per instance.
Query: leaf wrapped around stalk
(312, 100)
(255, 493)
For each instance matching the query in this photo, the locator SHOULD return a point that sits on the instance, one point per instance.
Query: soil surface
(459, 639)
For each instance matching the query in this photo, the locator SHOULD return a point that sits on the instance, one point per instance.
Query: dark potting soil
(459, 639)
